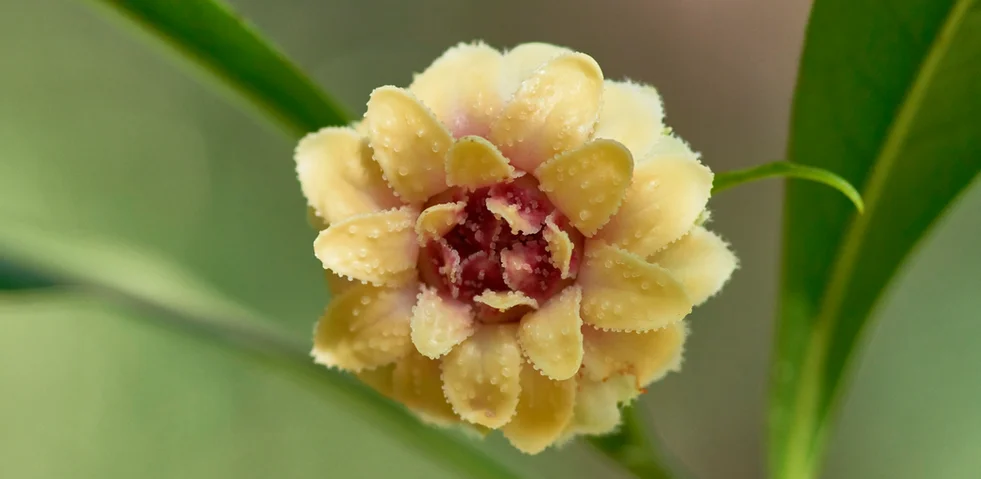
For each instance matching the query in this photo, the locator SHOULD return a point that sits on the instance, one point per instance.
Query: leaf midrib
(802, 441)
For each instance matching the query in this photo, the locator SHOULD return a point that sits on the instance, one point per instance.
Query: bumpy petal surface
(622, 292)
(416, 383)
(379, 248)
(668, 193)
(553, 111)
(365, 327)
(465, 88)
(632, 114)
(551, 337)
(701, 261)
(524, 60)
(505, 300)
(473, 162)
(409, 143)
(647, 355)
(596, 410)
(439, 323)
(481, 377)
(544, 411)
(560, 247)
(338, 176)
(380, 379)
(588, 183)
(439, 219)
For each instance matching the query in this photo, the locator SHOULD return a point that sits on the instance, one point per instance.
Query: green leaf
(180, 301)
(889, 98)
(728, 179)
(630, 447)
(213, 36)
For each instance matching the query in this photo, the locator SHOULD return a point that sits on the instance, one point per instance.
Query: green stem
(785, 169)
(631, 448)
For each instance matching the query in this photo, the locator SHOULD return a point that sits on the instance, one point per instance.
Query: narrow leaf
(786, 169)
(888, 97)
(210, 34)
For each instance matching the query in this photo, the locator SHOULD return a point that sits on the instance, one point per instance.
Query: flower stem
(634, 451)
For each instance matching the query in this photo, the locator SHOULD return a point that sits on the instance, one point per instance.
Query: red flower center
(500, 246)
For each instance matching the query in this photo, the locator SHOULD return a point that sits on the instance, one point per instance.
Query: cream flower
(513, 242)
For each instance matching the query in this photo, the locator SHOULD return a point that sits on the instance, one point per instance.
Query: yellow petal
(544, 411)
(379, 248)
(622, 292)
(553, 111)
(512, 215)
(668, 193)
(439, 323)
(523, 60)
(380, 379)
(474, 162)
(596, 410)
(505, 300)
(632, 114)
(551, 337)
(437, 220)
(588, 183)
(338, 176)
(409, 143)
(416, 383)
(647, 356)
(560, 247)
(366, 327)
(701, 261)
(481, 376)
(465, 88)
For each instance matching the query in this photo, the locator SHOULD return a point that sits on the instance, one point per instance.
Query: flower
(513, 242)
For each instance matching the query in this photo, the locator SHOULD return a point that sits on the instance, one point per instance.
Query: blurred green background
(101, 134)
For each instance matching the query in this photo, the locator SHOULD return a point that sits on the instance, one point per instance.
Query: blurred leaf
(728, 179)
(889, 97)
(158, 289)
(13, 277)
(216, 38)
(631, 448)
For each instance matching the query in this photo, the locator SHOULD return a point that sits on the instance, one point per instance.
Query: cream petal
(560, 247)
(622, 292)
(553, 111)
(588, 184)
(505, 300)
(701, 261)
(465, 87)
(338, 176)
(551, 337)
(417, 383)
(597, 408)
(544, 411)
(481, 376)
(379, 379)
(439, 323)
(437, 220)
(365, 327)
(647, 355)
(473, 162)
(409, 143)
(632, 114)
(523, 60)
(668, 193)
(379, 248)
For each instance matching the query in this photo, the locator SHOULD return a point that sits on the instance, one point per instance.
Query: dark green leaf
(213, 36)
(889, 97)
(786, 169)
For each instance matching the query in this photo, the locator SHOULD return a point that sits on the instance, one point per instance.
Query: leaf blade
(211, 35)
(785, 169)
(908, 142)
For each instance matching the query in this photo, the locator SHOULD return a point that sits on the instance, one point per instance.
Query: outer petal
(544, 411)
(666, 196)
(365, 327)
(481, 376)
(621, 291)
(465, 88)
(409, 143)
(379, 248)
(437, 220)
(588, 184)
(647, 356)
(416, 383)
(338, 177)
(701, 261)
(553, 111)
(380, 379)
(524, 60)
(439, 323)
(632, 114)
(596, 410)
(473, 162)
(552, 338)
